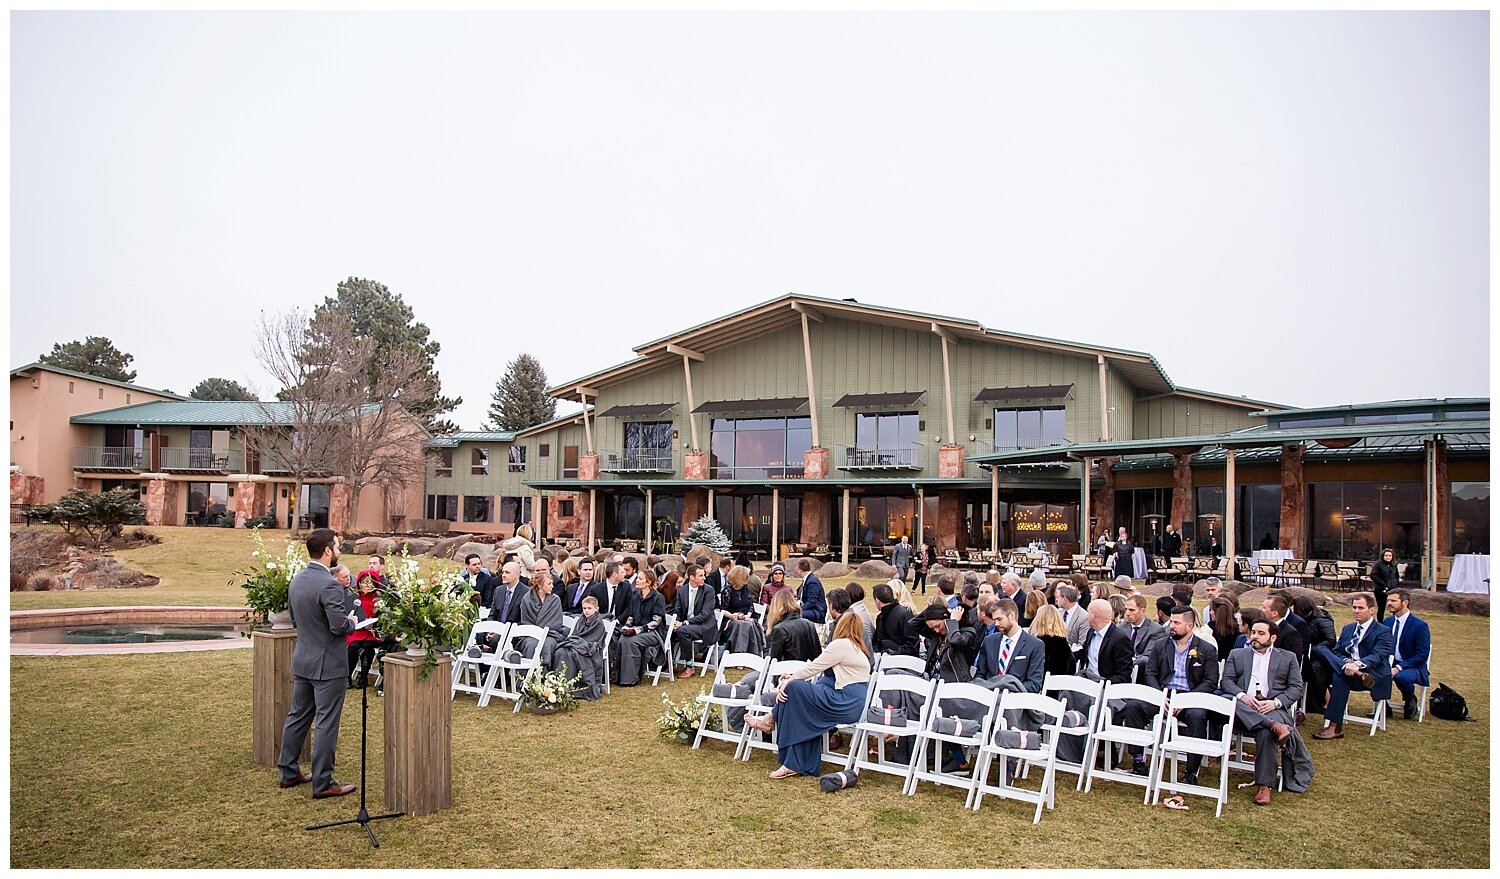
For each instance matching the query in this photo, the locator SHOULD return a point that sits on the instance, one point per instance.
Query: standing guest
(696, 622)
(640, 629)
(1384, 577)
(789, 635)
(1412, 643)
(1049, 629)
(901, 557)
(377, 564)
(921, 562)
(539, 607)
(1011, 650)
(1124, 559)
(1266, 685)
(804, 711)
(987, 589)
(361, 643)
(1171, 542)
(1010, 587)
(319, 665)
(1214, 550)
(810, 594)
(1075, 617)
(775, 582)
(1184, 663)
(1103, 546)
(1037, 582)
(1081, 584)
(1360, 660)
(891, 623)
(1267, 542)
(523, 546)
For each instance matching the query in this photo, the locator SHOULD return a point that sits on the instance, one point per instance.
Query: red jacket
(366, 600)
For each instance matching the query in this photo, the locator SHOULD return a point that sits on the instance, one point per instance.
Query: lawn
(143, 761)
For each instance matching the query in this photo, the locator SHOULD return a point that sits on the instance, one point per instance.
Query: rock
(414, 545)
(1425, 602)
(1465, 603)
(553, 549)
(107, 573)
(578, 553)
(833, 569)
(1253, 597)
(701, 549)
(445, 547)
(372, 545)
(474, 546)
(671, 563)
(875, 568)
(1200, 591)
(936, 571)
(1157, 589)
(603, 555)
(794, 564)
(652, 560)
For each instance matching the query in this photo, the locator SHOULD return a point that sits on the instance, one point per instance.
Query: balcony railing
(110, 458)
(203, 460)
(905, 456)
(636, 461)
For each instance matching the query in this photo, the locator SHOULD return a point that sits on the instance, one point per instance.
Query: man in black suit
(1171, 542)
(1185, 663)
(507, 594)
(1105, 654)
(1289, 635)
(631, 568)
(477, 579)
(892, 624)
(572, 597)
(320, 668)
(718, 579)
(694, 607)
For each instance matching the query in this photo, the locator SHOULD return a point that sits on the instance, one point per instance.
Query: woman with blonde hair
(903, 595)
(1048, 627)
(742, 632)
(788, 634)
(522, 546)
(1036, 599)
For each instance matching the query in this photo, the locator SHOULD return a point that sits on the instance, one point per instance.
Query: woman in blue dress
(829, 691)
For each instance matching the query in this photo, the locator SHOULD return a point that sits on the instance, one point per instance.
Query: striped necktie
(1004, 655)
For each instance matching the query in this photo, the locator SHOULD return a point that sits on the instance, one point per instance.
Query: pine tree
(221, 389)
(707, 532)
(96, 355)
(520, 399)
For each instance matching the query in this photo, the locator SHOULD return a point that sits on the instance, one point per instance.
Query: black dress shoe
(1139, 768)
(1190, 778)
(1408, 711)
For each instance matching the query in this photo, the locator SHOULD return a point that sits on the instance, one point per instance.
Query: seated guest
(1049, 629)
(1117, 606)
(581, 653)
(667, 583)
(810, 594)
(539, 607)
(829, 692)
(718, 579)
(903, 595)
(476, 578)
(1412, 642)
(987, 588)
(1164, 605)
(602, 590)
(1321, 634)
(737, 598)
(1247, 617)
(361, 643)
(1266, 685)
(1142, 633)
(1185, 663)
(506, 598)
(952, 639)
(775, 582)
(789, 635)
(857, 604)
(1360, 660)
(1221, 620)
(1010, 587)
(639, 637)
(696, 623)
(947, 589)
(987, 624)
(1037, 583)
(838, 605)
(1035, 600)
(892, 634)
(1075, 616)
(1081, 586)
(1011, 651)
(1212, 587)
(1105, 654)
(1288, 636)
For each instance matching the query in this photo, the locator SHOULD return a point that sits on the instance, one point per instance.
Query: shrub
(97, 517)
(266, 521)
(17, 582)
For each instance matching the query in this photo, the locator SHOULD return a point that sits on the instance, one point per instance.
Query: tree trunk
(296, 499)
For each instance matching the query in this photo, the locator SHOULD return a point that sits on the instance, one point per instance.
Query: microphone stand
(364, 817)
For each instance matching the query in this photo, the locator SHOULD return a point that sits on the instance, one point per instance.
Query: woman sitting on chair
(788, 634)
(640, 628)
(830, 691)
(742, 632)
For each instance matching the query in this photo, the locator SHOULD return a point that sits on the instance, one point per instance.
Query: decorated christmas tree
(707, 532)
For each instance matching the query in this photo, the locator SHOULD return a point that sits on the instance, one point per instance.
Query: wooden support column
(688, 357)
(775, 524)
(994, 509)
(588, 432)
(418, 735)
(536, 519)
(944, 338)
(648, 521)
(921, 522)
(812, 393)
(593, 497)
(1293, 532)
(844, 554)
(1429, 550)
(1103, 399)
(1229, 510)
(1085, 531)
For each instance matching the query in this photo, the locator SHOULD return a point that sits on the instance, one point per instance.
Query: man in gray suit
(1075, 616)
(1266, 684)
(320, 668)
(1143, 633)
(901, 557)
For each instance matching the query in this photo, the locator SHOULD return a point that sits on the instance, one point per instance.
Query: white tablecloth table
(1271, 556)
(1142, 567)
(1469, 573)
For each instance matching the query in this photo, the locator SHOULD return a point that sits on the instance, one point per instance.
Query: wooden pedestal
(271, 693)
(418, 735)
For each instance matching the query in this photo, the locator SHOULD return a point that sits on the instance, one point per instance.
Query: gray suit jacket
(1150, 633)
(1285, 675)
(320, 614)
(1078, 626)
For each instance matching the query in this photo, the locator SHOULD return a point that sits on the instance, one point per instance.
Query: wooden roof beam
(689, 353)
(812, 313)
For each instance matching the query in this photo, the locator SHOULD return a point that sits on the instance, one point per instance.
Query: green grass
(143, 761)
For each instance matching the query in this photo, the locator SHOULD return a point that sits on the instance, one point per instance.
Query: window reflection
(1356, 520)
(1469, 518)
(759, 448)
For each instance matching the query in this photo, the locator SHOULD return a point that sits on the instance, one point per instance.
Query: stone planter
(280, 620)
(416, 651)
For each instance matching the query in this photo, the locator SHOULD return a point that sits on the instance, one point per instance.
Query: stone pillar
(271, 693)
(1293, 534)
(161, 498)
(815, 463)
(949, 526)
(816, 512)
(249, 499)
(1444, 498)
(339, 496)
(694, 507)
(588, 465)
(575, 524)
(26, 489)
(1104, 501)
(695, 465)
(951, 462)
(418, 735)
(1182, 491)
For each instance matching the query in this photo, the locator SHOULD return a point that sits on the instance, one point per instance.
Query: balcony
(903, 456)
(111, 459)
(636, 461)
(206, 461)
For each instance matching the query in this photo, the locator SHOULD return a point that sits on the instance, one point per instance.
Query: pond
(145, 633)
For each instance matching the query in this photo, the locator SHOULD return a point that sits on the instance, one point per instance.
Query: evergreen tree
(520, 399)
(221, 389)
(96, 355)
(707, 532)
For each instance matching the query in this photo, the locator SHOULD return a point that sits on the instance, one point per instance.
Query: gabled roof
(25, 372)
(199, 413)
(1141, 369)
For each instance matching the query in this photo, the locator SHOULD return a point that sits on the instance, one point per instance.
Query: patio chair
(1293, 572)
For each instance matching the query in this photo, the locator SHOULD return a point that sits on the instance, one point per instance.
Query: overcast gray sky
(1292, 207)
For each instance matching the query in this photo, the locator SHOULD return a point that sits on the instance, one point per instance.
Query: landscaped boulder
(445, 547)
(794, 564)
(1236, 586)
(481, 549)
(1157, 589)
(371, 545)
(875, 568)
(604, 554)
(671, 563)
(1466, 603)
(833, 569)
(554, 550)
(1254, 597)
(104, 572)
(936, 571)
(414, 545)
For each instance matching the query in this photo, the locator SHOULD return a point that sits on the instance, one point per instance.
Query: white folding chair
(507, 677)
(714, 652)
(1044, 756)
(1382, 710)
(668, 664)
(881, 687)
(1112, 733)
(1239, 761)
(1176, 743)
(747, 661)
(609, 640)
(758, 611)
(929, 737)
(899, 662)
(1093, 690)
(751, 738)
(471, 673)
(1421, 691)
(570, 622)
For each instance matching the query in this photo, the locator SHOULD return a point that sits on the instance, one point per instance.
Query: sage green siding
(1121, 405)
(1189, 416)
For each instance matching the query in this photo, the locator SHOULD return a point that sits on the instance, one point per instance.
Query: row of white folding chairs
(713, 652)
(490, 674)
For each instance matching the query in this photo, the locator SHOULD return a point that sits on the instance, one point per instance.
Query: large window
(885, 430)
(478, 508)
(479, 463)
(759, 448)
(747, 519)
(515, 510)
(515, 459)
(648, 444)
(444, 466)
(207, 503)
(878, 520)
(1469, 518)
(442, 506)
(1257, 518)
(1030, 428)
(313, 505)
(570, 462)
(1356, 520)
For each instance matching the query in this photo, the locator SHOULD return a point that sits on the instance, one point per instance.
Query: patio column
(812, 394)
(648, 521)
(1293, 533)
(592, 496)
(1229, 510)
(1182, 491)
(536, 522)
(1442, 497)
(921, 522)
(710, 513)
(1429, 551)
(844, 550)
(775, 524)
(1085, 532)
(1103, 399)
(994, 509)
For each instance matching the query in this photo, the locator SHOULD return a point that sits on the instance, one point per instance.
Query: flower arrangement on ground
(552, 689)
(267, 584)
(424, 612)
(679, 719)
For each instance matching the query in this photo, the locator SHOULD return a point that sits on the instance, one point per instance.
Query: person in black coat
(1113, 659)
(1200, 674)
(892, 624)
(1289, 635)
(1171, 542)
(1124, 556)
(952, 637)
(789, 635)
(1384, 576)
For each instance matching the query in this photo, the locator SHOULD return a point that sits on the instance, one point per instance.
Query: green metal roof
(767, 484)
(1460, 445)
(452, 440)
(23, 370)
(197, 413)
(1438, 404)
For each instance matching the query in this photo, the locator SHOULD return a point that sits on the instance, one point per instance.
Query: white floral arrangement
(424, 611)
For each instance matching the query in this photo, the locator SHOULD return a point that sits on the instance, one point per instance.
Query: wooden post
(921, 520)
(1429, 552)
(844, 556)
(536, 519)
(588, 432)
(1085, 533)
(710, 502)
(1103, 399)
(944, 338)
(593, 498)
(418, 735)
(995, 508)
(1229, 511)
(271, 693)
(648, 521)
(775, 525)
(812, 393)
(687, 377)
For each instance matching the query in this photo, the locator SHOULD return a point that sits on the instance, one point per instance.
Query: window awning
(779, 404)
(1026, 393)
(856, 401)
(641, 409)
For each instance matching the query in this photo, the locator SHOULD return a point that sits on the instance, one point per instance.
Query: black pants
(919, 579)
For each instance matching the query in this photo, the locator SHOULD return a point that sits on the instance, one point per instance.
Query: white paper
(366, 624)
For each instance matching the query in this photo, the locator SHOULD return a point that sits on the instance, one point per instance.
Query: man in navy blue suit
(1413, 644)
(810, 594)
(1360, 659)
